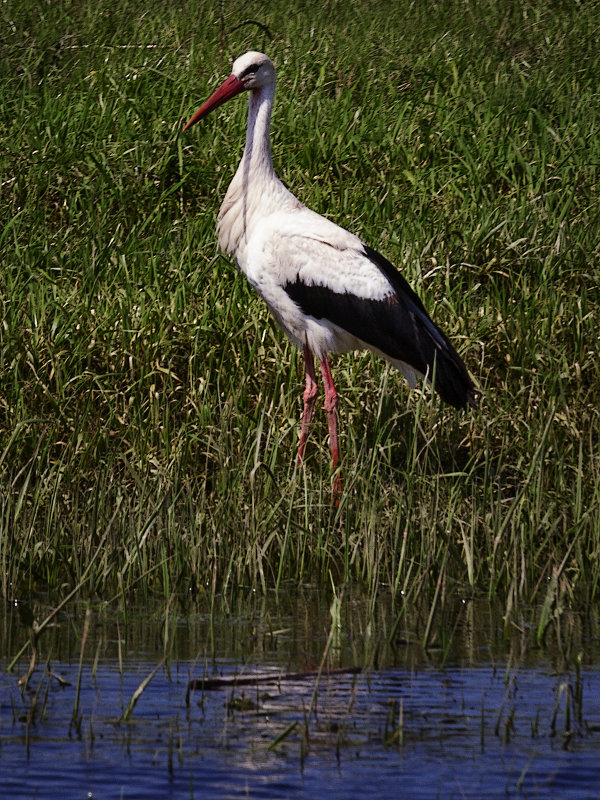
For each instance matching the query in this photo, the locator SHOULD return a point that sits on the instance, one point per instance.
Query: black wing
(397, 325)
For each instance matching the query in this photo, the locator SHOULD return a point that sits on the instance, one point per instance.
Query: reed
(149, 405)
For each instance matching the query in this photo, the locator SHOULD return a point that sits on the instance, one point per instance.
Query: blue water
(467, 731)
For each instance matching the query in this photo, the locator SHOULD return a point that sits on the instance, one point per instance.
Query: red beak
(230, 88)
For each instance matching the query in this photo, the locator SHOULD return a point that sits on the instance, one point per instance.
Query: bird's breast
(250, 200)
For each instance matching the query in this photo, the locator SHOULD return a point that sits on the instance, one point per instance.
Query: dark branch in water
(228, 681)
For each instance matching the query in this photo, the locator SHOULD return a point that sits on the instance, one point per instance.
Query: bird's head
(251, 71)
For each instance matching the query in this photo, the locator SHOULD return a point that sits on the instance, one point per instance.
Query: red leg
(310, 395)
(330, 407)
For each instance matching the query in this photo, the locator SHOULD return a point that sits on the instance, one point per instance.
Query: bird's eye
(249, 70)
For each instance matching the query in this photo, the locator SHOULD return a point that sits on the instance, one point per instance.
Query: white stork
(326, 289)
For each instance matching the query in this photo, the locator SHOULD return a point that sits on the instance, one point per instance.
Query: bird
(326, 289)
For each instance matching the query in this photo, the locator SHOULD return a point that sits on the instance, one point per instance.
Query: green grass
(149, 409)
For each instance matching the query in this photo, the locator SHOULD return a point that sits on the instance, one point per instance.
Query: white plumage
(326, 289)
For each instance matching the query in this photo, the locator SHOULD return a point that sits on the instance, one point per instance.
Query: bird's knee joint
(310, 393)
(331, 403)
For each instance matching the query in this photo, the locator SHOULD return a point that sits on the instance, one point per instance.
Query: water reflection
(483, 712)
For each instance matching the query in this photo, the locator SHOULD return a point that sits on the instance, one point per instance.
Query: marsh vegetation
(149, 409)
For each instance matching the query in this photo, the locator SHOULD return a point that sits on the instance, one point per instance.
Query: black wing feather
(398, 326)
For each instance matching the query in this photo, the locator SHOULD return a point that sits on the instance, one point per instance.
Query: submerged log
(233, 681)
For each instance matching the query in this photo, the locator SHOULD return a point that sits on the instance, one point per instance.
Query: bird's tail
(450, 379)
(415, 340)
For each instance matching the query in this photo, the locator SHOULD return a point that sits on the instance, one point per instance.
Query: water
(459, 723)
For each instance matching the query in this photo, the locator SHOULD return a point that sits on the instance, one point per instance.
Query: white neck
(255, 190)
(256, 162)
